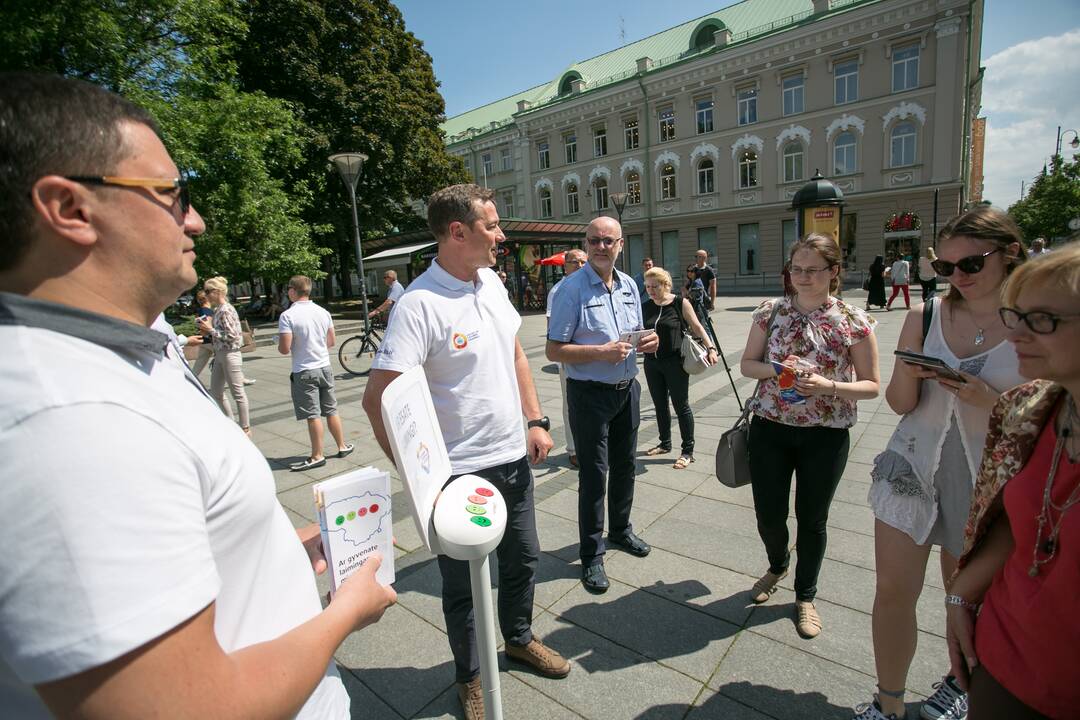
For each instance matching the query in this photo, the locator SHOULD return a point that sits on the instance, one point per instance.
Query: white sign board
(419, 451)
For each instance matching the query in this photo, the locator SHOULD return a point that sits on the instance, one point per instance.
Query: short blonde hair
(216, 284)
(301, 285)
(1059, 270)
(660, 275)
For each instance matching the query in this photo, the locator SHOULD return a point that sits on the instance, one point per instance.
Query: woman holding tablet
(921, 489)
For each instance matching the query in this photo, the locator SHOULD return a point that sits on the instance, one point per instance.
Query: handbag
(732, 452)
(694, 355)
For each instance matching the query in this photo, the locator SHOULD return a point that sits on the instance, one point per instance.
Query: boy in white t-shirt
(307, 331)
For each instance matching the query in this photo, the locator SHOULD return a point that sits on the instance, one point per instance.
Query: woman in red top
(1017, 654)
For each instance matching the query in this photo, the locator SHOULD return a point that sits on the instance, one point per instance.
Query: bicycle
(357, 353)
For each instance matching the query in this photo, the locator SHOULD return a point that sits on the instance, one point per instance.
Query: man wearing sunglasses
(148, 570)
(591, 317)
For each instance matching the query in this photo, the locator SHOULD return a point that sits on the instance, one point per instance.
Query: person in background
(394, 291)
(227, 336)
(1038, 247)
(707, 276)
(671, 316)
(639, 279)
(921, 484)
(876, 283)
(693, 285)
(900, 276)
(1011, 622)
(573, 261)
(206, 344)
(802, 427)
(927, 276)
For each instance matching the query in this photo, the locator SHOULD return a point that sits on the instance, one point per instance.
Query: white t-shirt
(130, 504)
(308, 323)
(464, 335)
(899, 272)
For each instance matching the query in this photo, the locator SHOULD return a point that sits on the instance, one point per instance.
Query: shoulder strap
(927, 318)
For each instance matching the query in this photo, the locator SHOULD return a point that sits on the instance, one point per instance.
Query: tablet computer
(927, 361)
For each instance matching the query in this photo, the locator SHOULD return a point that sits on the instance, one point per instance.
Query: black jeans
(604, 422)
(519, 554)
(817, 455)
(666, 378)
(929, 289)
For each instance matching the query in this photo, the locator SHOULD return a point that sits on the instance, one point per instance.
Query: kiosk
(464, 520)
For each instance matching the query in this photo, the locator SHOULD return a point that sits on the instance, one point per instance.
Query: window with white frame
(905, 68)
(706, 182)
(489, 164)
(633, 187)
(749, 249)
(570, 146)
(572, 206)
(747, 104)
(508, 203)
(600, 193)
(748, 169)
(846, 81)
(543, 157)
(704, 116)
(845, 154)
(793, 162)
(667, 182)
(666, 118)
(545, 202)
(794, 85)
(506, 159)
(599, 142)
(902, 145)
(631, 140)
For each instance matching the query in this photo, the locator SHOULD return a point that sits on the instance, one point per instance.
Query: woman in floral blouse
(1017, 654)
(921, 489)
(228, 337)
(802, 415)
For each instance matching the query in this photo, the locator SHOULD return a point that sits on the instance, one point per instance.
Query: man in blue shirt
(592, 313)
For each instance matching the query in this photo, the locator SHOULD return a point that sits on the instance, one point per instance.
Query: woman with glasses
(815, 356)
(671, 316)
(1017, 655)
(921, 485)
(228, 337)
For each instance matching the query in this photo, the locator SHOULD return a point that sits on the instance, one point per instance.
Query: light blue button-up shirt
(585, 313)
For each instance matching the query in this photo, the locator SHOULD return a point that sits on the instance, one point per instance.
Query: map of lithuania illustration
(358, 518)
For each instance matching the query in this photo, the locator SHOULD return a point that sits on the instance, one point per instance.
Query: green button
(476, 509)
(481, 521)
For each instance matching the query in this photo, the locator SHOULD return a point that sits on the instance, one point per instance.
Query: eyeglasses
(605, 241)
(1039, 322)
(970, 265)
(180, 184)
(574, 261)
(796, 270)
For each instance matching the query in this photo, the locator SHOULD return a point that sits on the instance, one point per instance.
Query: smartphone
(927, 361)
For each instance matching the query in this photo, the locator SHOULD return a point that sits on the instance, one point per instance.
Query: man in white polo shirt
(307, 331)
(147, 567)
(456, 321)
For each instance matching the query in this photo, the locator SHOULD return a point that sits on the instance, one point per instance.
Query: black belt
(621, 385)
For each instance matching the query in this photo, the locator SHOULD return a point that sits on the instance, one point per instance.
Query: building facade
(712, 126)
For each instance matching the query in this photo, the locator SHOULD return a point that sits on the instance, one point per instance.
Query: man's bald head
(603, 226)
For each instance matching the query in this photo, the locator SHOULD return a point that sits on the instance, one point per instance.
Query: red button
(484, 491)
(477, 500)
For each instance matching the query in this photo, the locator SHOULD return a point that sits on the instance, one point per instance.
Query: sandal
(808, 622)
(683, 461)
(658, 450)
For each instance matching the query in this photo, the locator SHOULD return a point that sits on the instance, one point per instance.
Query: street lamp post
(1060, 135)
(618, 199)
(349, 166)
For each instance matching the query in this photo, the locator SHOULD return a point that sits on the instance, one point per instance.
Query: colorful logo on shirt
(460, 341)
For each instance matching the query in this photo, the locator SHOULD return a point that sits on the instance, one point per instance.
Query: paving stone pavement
(676, 636)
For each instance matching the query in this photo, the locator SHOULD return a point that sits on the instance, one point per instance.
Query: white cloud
(1029, 89)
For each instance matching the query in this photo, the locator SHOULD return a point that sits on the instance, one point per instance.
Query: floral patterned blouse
(823, 337)
(228, 333)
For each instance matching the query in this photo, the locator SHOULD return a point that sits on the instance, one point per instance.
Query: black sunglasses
(970, 265)
(1042, 323)
(180, 184)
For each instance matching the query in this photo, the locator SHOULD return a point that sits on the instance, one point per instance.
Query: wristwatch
(543, 423)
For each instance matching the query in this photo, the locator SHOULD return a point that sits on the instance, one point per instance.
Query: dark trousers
(666, 378)
(989, 700)
(929, 289)
(817, 456)
(605, 426)
(519, 554)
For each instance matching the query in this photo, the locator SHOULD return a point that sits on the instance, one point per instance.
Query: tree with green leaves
(1051, 202)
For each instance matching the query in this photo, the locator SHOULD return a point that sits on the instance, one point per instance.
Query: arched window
(844, 154)
(667, 182)
(705, 177)
(902, 147)
(572, 207)
(793, 162)
(748, 169)
(545, 203)
(633, 187)
(601, 193)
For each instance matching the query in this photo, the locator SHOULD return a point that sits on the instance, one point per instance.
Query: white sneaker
(948, 702)
(871, 711)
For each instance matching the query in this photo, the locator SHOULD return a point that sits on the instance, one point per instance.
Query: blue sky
(483, 51)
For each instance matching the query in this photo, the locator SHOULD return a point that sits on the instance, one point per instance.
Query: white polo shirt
(308, 324)
(464, 335)
(130, 503)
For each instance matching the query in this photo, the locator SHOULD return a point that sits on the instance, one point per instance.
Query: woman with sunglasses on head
(804, 349)
(1017, 655)
(921, 485)
(228, 337)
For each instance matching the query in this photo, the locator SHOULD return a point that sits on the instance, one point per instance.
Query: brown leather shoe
(540, 658)
(471, 696)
